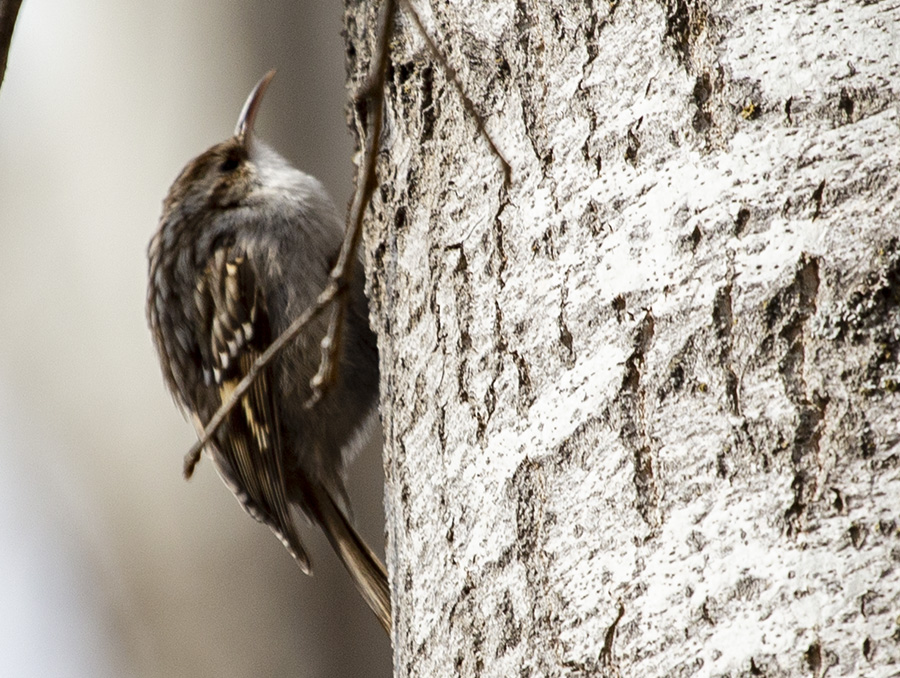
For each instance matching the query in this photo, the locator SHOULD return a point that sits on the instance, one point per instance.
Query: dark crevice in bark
(428, 106)
(607, 658)
(788, 312)
(740, 223)
(871, 313)
(723, 320)
(565, 336)
(633, 143)
(701, 95)
(817, 198)
(633, 433)
(686, 21)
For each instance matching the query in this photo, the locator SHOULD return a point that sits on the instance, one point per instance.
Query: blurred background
(110, 563)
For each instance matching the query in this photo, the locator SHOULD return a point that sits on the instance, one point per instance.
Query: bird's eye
(229, 164)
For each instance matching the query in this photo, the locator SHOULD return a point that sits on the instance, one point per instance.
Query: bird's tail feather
(365, 568)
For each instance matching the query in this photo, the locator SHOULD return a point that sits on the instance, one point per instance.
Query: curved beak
(244, 128)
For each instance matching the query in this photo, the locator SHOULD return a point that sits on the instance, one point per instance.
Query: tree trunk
(640, 409)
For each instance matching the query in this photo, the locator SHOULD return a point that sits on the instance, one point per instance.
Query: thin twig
(329, 346)
(372, 96)
(451, 75)
(9, 10)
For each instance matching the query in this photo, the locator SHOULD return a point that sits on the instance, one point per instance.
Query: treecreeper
(245, 245)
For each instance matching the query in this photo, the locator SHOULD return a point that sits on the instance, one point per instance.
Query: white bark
(640, 410)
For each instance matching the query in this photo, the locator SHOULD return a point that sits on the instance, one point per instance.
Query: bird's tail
(365, 568)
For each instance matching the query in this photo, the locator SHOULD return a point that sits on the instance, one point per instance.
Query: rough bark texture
(641, 409)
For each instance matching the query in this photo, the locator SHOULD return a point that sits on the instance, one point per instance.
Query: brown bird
(245, 244)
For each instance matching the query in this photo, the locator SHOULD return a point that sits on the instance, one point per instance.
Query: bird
(245, 244)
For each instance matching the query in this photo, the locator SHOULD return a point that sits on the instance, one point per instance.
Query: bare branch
(370, 99)
(9, 10)
(453, 77)
(331, 342)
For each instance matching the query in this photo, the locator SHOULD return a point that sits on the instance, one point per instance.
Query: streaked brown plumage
(244, 246)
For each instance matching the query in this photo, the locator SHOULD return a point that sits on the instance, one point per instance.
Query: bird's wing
(235, 331)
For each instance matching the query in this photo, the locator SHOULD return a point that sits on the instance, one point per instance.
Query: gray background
(111, 564)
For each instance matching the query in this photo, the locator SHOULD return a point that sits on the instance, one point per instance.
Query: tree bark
(640, 409)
